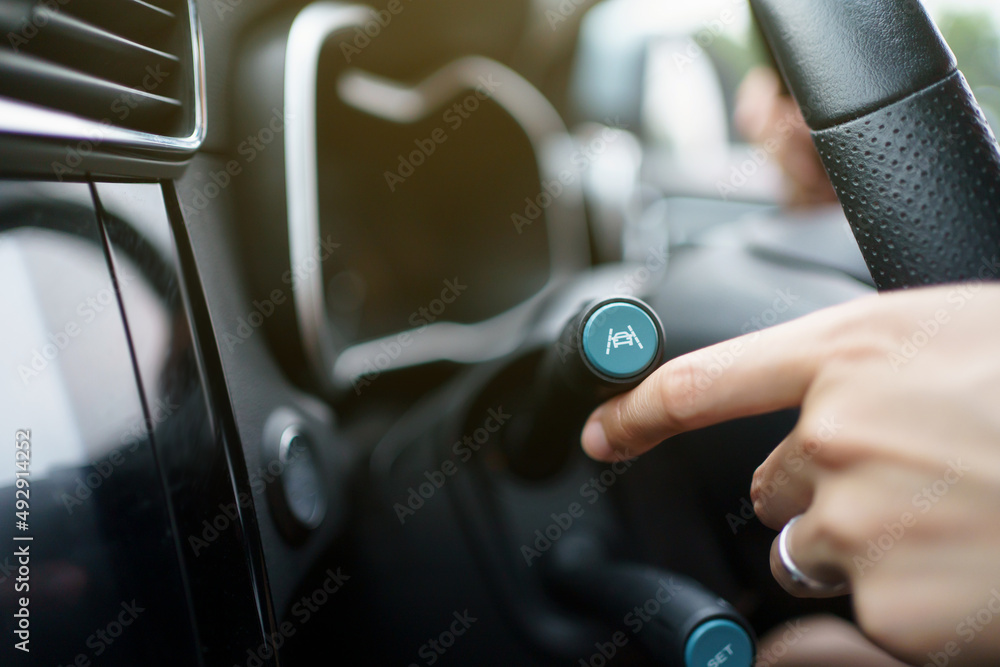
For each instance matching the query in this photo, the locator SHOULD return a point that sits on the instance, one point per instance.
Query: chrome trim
(539, 120)
(451, 341)
(397, 103)
(569, 250)
(21, 118)
(309, 32)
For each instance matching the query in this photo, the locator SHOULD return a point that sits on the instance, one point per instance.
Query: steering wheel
(910, 154)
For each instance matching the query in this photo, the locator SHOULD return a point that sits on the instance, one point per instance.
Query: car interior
(304, 308)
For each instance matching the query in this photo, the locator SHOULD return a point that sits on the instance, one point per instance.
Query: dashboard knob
(612, 339)
(719, 642)
(676, 620)
(608, 347)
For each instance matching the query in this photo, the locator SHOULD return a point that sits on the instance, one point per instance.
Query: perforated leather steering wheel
(910, 154)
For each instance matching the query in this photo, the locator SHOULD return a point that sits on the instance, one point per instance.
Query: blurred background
(679, 79)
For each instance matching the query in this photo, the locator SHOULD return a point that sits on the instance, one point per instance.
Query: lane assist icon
(629, 337)
(620, 339)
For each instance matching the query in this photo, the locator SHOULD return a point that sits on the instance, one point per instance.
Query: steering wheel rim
(910, 154)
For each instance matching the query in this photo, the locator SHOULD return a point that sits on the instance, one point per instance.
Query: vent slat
(51, 85)
(89, 36)
(133, 19)
(125, 62)
(71, 42)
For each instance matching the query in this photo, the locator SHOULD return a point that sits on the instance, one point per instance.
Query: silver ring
(799, 577)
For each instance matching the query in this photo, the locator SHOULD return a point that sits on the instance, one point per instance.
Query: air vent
(130, 64)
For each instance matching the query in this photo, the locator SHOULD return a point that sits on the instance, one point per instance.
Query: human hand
(894, 464)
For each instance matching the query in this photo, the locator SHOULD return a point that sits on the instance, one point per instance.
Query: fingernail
(595, 441)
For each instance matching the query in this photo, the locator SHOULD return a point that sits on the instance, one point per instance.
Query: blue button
(719, 643)
(620, 339)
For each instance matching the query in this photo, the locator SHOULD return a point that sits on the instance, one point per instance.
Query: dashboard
(267, 264)
(371, 198)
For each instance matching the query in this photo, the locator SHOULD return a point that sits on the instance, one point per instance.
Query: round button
(301, 481)
(620, 339)
(719, 643)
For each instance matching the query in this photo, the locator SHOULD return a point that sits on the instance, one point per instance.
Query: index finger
(754, 374)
